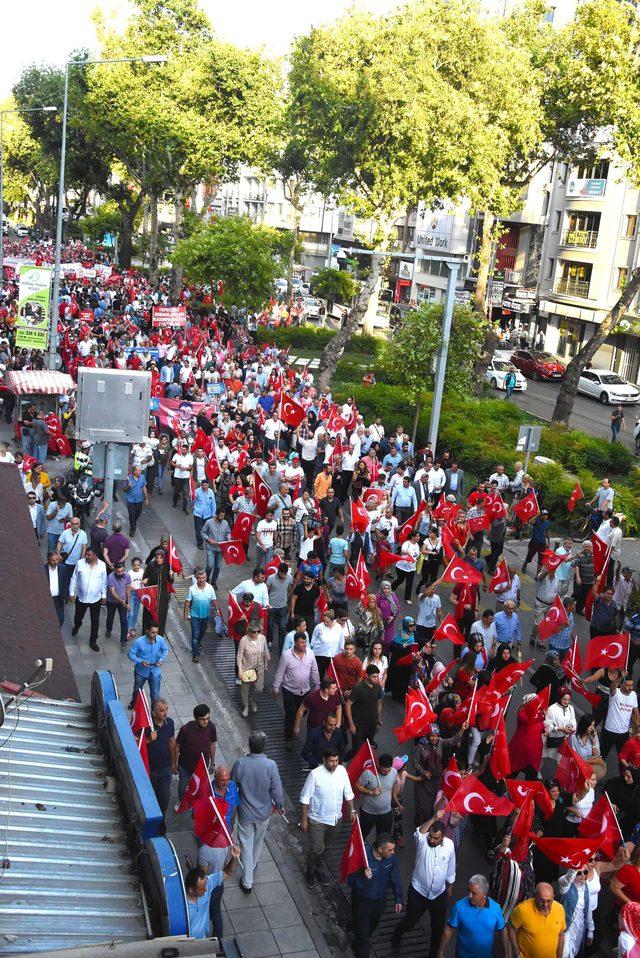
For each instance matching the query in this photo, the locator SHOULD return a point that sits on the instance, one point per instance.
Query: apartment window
(574, 279)
(582, 230)
(630, 223)
(557, 220)
(621, 277)
(593, 171)
(550, 267)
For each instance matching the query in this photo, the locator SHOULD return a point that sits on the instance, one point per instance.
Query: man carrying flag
(369, 884)
(323, 793)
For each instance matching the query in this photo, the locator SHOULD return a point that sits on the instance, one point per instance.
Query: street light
(35, 109)
(52, 349)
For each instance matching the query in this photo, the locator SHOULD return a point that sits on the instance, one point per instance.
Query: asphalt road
(588, 414)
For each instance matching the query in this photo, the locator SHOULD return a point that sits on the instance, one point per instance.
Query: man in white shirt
(376, 430)
(142, 455)
(265, 532)
(89, 588)
(486, 630)
(349, 460)
(500, 478)
(621, 712)
(431, 883)
(436, 480)
(182, 463)
(323, 793)
(271, 430)
(257, 586)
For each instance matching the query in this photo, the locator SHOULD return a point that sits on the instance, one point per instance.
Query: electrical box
(113, 405)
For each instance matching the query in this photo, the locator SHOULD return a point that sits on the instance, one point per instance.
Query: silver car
(607, 387)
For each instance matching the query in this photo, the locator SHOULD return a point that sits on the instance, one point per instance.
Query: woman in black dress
(158, 573)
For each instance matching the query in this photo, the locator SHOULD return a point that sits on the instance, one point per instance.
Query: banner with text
(33, 307)
(169, 316)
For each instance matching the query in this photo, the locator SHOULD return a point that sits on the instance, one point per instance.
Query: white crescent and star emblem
(417, 710)
(146, 600)
(466, 802)
(610, 650)
(194, 785)
(452, 777)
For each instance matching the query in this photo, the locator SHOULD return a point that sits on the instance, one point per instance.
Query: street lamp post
(52, 348)
(35, 109)
(438, 389)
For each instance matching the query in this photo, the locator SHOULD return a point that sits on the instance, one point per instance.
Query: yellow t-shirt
(538, 934)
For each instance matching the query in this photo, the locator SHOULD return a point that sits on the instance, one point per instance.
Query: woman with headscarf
(549, 673)
(559, 722)
(554, 826)
(399, 675)
(623, 795)
(525, 748)
(370, 626)
(158, 573)
(629, 923)
(579, 898)
(501, 659)
(389, 609)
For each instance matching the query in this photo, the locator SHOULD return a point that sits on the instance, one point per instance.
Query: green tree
(335, 284)
(403, 107)
(28, 173)
(409, 355)
(246, 257)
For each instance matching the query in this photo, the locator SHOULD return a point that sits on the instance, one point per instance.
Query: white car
(608, 387)
(314, 309)
(22, 230)
(497, 372)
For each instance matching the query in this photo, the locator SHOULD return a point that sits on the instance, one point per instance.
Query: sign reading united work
(169, 316)
(34, 298)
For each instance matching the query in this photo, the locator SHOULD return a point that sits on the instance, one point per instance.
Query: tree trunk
(405, 230)
(484, 262)
(297, 218)
(176, 271)
(569, 387)
(153, 240)
(126, 238)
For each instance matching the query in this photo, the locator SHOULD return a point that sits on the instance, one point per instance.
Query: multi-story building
(590, 247)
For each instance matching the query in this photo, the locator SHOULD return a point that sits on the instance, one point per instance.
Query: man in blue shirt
(404, 501)
(200, 598)
(476, 918)
(147, 654)
(200, 888)
(507, 625)
(135, 488)
(369, 891)
(204, 507)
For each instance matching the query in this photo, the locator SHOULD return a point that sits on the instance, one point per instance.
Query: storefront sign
(164, 316)
(590, 187)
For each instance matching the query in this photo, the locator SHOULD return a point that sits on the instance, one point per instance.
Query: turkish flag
(500, 576)
(461, 573)
(572, 771)
(499, 762)
(354, 856)
(520, 790)
(447, 538)
(474, 798)
(506, 678)
(555, 619)
(321, 603)
(27, 463)
(361, 570)
(527, 509)
(578, 685)
(539, 704)
(408, 659)
(496, 508)
(291, 412)
(335, 422)
(142, 748)
(608, 651)
(588, 603)
(386, 558)
(601, 823)
(418, 716)
(272, 567)
(374, 495)
(355, 588)
(407, 528)
(360, 520)
(174, 560)
(600, 550)
(235, 611)
(363, 759)
(212, 468)
(521, 829)
(242, 526)
(338, 449)
(447, 511)
(575, 496)
(478, 523)
(551, 560)
(262, 494)
(233, 552)
(201, 441)
(199, 787)
(140, 714)
(568, 852)
(209, 822)
(490, 707)
(441, 676)
(148, 597)
(62, 446)
(448, 629)
(451, 778)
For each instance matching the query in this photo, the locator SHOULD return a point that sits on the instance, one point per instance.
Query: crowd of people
(340, 530)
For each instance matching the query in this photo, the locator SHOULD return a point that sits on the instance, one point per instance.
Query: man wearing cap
(539, 540)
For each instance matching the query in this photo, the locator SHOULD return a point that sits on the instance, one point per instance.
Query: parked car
(22, 230)
(538, 365)
(314, 309)
(608, 387)
(497, 373)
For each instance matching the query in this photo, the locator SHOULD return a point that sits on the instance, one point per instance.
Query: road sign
(529, 438)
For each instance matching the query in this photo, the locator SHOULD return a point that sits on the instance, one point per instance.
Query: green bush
(314, 339)
(578, 451)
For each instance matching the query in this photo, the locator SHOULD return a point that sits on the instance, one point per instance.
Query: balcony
(573, 287)
(580, 239)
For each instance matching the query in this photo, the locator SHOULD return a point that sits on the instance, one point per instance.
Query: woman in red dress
(525, 748)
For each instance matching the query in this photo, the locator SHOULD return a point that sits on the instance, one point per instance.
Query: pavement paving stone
(248, 919)
(292, 938)
(271, 893)
(282, 914)
(258, 944)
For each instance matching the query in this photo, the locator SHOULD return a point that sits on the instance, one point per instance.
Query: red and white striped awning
(45, 382)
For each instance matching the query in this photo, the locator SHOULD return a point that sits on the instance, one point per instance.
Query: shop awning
(45, 382)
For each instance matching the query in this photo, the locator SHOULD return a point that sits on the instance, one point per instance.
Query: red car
(538, 365)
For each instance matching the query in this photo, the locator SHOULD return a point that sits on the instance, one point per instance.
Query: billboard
(34, 298)
(164, 316)
(585, 187)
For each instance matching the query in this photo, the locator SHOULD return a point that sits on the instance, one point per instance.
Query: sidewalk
(280, 917)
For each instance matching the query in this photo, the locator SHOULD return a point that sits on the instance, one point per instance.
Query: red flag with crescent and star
(141, 713)
(408, 527)
(174, 560)
(386, 558)
(148, 597)
(262, 494)
(496, 508)
(212, 468)
(575, 496)
(600, 550)
(235, 612)
(520, 790)
(551, 560)
(363, 760)
(601, 824)
(608, 651)
(568, 852)
(539, 704)
(474, 798)
(527, 509)
(441, 676)
(418, 716)
(142, 748)
(448, 629)
(209, 821)
(362, 572)
(448, 539)
(572, 771)
(242, 526)
(500, 577)
(578, 685)
(198, 788)
(520, 839)
(506, 678)
(447, 511)
(354, 586)
(499, 762)
(360, 520)
(408, 658)
(233, 552)
(451, 778)
(461, 573)
(555, 619)
(291, 412)
(354, 856)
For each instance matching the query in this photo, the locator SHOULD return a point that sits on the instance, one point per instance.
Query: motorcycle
(84, 490)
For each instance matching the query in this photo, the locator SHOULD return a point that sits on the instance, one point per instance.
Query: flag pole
(615, 818)
(375, 764)
(361, 838)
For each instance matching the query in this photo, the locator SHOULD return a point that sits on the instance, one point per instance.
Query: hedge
(315, 338)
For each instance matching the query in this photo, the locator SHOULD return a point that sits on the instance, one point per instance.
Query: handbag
(554, 741)
(65, 555)
(249, 675)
